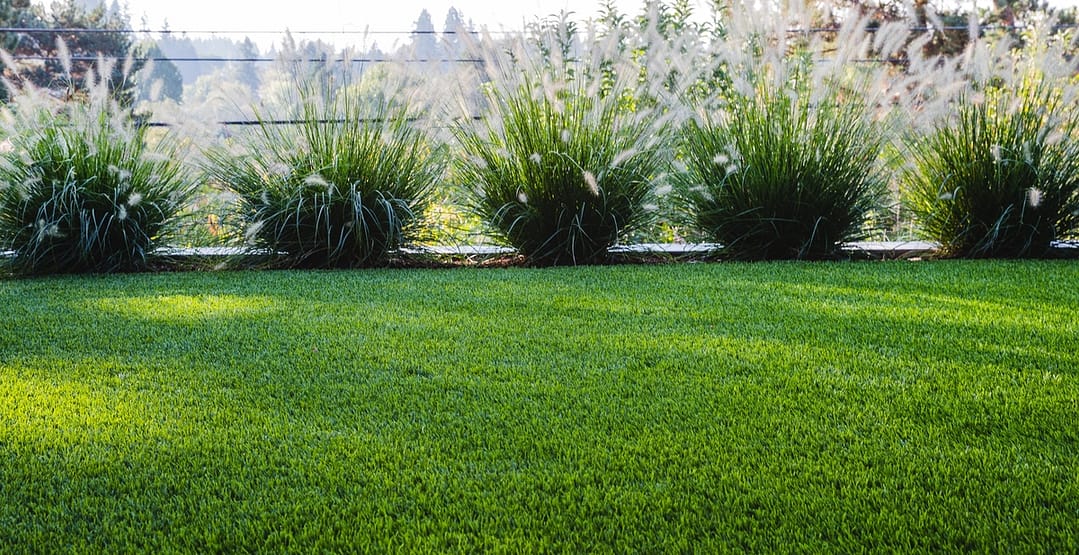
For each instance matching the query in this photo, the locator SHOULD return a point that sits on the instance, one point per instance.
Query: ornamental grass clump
(340, 187)
(1001, 178)
(560, 172)
(83, 188)
(785, 160)
(774, 175)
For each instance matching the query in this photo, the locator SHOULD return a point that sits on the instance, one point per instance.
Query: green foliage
(18, 14)
(82, 190)
(340, 188)
(872, 407)
(776, 174)
(560, 173)
(1002, 178)
(446, 224)
(663, 49)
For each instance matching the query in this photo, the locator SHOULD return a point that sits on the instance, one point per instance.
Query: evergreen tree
(17, 14)
(454, 35)
(424, 45)
(68, 72)
(164, 74)
(248, 72)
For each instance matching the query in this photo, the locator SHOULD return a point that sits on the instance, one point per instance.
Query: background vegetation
(49, 51)
(901, 68)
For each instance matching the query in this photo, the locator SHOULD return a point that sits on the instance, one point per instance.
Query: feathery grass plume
(341, 188)
(541, 169)
(1002, 178)
(787, 162)
(85, 189)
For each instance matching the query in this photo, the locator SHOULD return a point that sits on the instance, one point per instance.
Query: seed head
(316, 180)
(593, 186)
(623, 156)
(478, 161)
(1034, 196)
(252, 232)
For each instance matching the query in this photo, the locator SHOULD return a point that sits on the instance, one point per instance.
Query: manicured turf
(694, 407)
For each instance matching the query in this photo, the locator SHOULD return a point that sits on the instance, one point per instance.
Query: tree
(247, 72)
(949, 25)
(312, 62)
(69, 53)
(163, 80)
(424, 45)
(18, 14)
(454, 42)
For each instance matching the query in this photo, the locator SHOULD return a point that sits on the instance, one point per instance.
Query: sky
(342, 18)
(344, 21)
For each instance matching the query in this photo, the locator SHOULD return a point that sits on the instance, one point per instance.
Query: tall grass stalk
(341, 188)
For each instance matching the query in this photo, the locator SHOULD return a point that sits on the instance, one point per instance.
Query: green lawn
(689, 407)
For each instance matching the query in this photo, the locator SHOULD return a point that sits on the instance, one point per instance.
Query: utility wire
(253, 123)
(83, 58)
(42, 58)
(170, 32)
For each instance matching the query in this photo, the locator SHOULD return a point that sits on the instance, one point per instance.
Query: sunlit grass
(887, 406)
(170, 307)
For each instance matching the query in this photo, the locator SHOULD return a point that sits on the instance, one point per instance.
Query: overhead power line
(167, 32)
(257, 122)
(171, 32)
(81, 58)
(346, 60)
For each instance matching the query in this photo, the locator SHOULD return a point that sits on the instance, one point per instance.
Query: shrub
(776, 175)
(339, 188)
(83, 190)
(1001, 179)
(559, 172)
